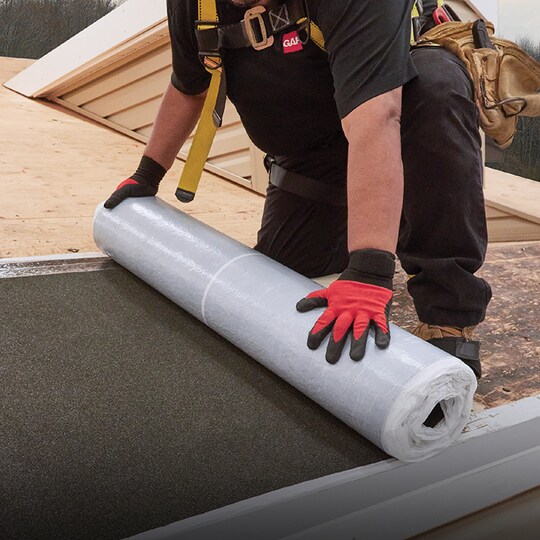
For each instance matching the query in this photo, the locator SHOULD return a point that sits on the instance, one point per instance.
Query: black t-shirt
(291, 104)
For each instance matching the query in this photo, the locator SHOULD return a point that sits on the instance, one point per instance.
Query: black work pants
(443, 237)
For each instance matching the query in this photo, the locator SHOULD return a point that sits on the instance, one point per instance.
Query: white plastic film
(250, 300)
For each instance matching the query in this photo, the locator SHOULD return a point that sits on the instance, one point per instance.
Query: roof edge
(118, 27)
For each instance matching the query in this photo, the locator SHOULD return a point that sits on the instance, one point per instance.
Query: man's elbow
(182, 96)
(379, 113)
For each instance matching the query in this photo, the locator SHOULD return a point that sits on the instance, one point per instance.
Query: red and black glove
(144, 183)
(359, 300)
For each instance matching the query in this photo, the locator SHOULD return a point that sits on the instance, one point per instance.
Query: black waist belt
(306, 187)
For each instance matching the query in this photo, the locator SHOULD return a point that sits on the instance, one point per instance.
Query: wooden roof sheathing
(120, 82)
(56, 166)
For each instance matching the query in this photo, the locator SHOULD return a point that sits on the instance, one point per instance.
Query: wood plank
(144, 139)
(513, 194)
(230, 116)
(512, 229)
(137, 48)
(149, 87)
(492, 213)
(37, 236)
(157, 60)
(230, 139)
(138, 116)
(238, 163)
(145, 131)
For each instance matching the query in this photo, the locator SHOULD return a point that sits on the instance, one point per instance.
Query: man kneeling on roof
(373, 151)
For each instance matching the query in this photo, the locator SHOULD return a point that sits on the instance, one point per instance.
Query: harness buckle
(210, 61)
(255, 14)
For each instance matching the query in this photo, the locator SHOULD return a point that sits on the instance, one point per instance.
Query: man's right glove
(144, 183)
(359, 300)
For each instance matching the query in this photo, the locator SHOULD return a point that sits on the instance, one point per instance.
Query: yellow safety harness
(212, 113)
(208, 123)
(214, 104)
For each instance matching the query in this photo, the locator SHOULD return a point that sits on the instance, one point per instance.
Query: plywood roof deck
(55, 167)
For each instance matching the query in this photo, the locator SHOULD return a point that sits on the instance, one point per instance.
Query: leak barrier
(250, 300)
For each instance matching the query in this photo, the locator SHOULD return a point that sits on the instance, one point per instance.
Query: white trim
(117, 27)
(497, 457)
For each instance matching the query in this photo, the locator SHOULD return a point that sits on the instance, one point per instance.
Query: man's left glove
(143, 183)
(360, 299)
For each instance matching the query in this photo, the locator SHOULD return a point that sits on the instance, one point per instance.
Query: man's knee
(437, 105)
(441, 77)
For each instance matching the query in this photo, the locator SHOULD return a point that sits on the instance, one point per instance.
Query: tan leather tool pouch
(506, 79)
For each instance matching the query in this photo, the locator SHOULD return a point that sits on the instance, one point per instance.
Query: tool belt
(506, 79)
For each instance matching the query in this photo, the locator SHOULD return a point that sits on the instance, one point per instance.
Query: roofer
(366, 120)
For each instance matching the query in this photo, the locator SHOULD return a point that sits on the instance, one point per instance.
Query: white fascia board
(497, 457)
(117, 27)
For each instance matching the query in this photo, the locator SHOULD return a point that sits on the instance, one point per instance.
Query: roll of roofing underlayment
(250, 300)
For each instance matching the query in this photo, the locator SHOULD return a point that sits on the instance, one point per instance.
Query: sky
(519, 18)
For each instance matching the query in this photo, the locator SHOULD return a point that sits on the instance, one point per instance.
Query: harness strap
(211, 38)
(303, 186)
(256, 29)
(316, 35)
(211, 115)
(202, 142)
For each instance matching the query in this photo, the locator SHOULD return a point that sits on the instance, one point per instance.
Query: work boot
(458, 342)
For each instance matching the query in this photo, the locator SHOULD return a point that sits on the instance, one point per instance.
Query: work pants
(443, 237)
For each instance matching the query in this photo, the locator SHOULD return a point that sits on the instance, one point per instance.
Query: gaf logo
(292, 43)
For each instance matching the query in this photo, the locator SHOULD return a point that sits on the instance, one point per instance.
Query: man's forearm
(177, 117)
(375, 173)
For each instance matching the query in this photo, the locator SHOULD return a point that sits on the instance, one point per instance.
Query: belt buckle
(255, 14)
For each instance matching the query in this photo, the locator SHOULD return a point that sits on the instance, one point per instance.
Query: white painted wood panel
(140, 68)
(127, 97)
(122, 24)
(138, 116)
(492, 213)
(238, 163)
